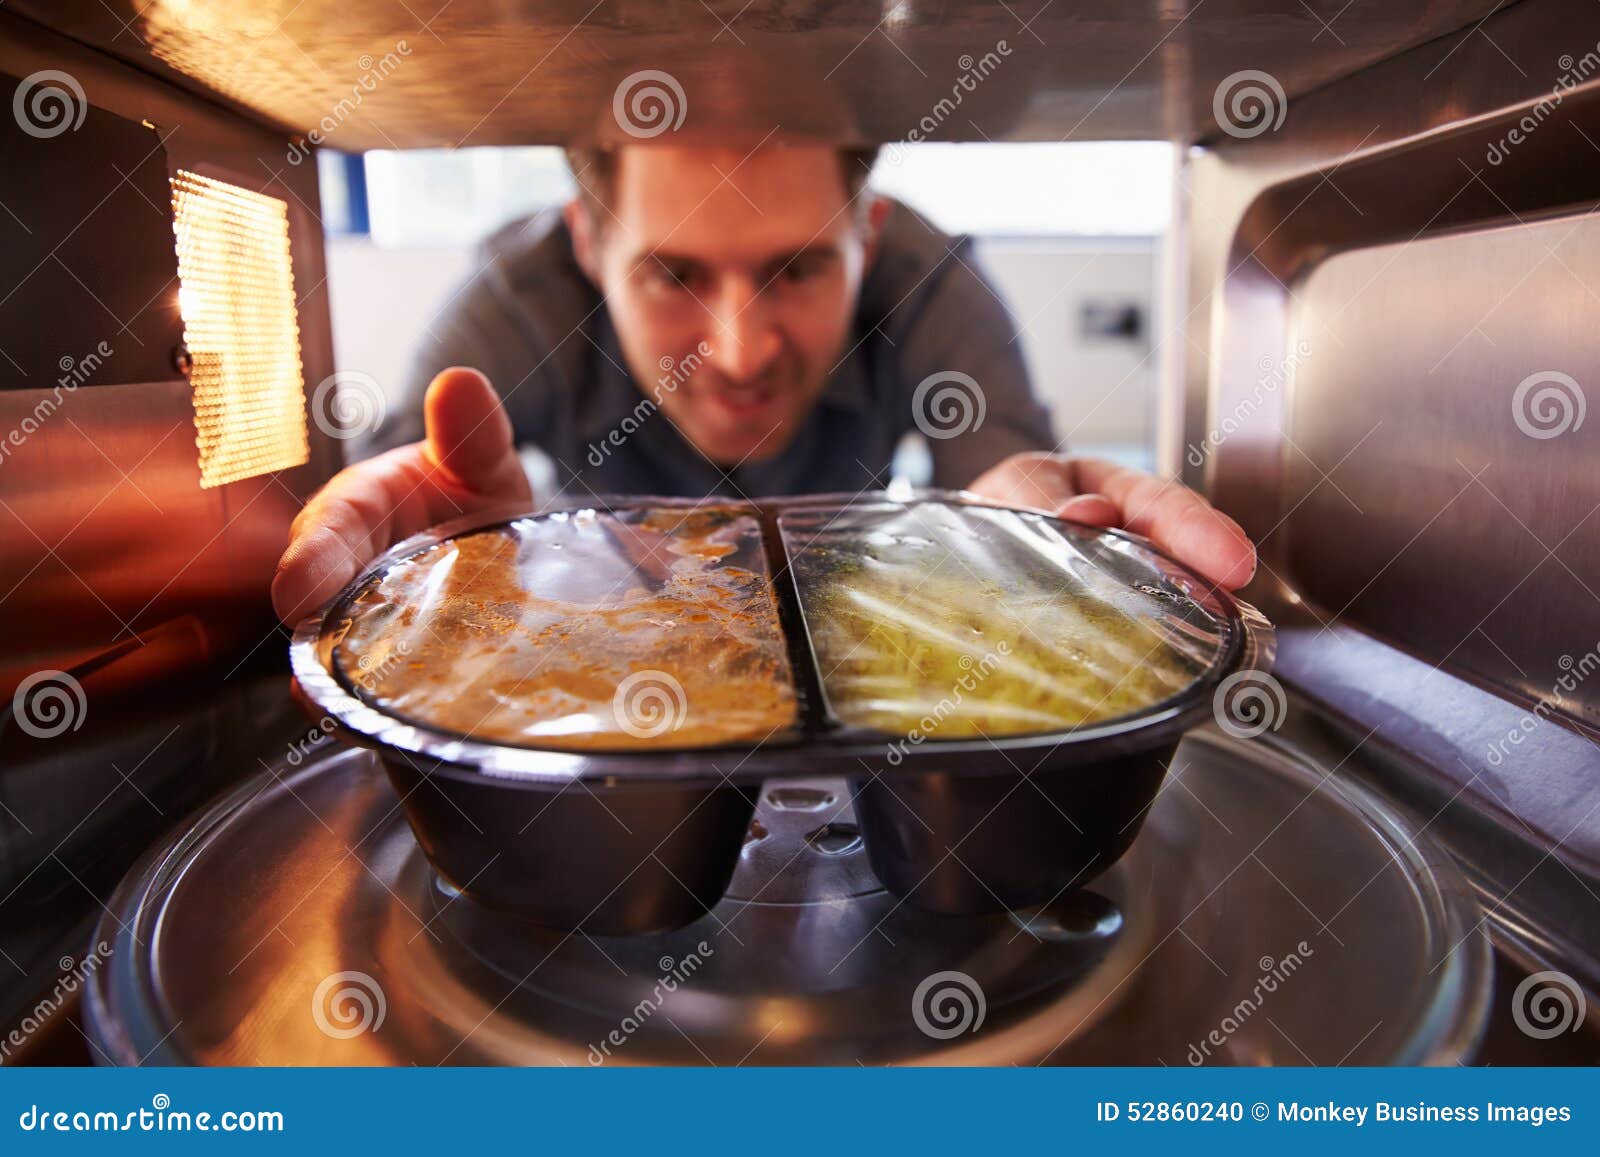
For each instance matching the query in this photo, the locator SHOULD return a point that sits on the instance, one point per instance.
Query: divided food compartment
(579, 708)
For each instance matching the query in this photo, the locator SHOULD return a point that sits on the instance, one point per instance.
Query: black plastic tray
(633, 841)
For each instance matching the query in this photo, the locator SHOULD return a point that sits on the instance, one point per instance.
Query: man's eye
(669, 276)
(802, 269)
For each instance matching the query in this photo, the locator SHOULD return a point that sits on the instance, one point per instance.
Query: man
(789, 328)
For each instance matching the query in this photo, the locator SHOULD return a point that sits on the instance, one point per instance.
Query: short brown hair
(594, 171)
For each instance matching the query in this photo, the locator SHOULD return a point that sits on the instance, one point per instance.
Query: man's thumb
(469, 433)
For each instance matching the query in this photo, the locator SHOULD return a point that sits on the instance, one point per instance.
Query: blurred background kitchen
(1071, 236)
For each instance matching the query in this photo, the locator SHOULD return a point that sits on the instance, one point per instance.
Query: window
(446, 198)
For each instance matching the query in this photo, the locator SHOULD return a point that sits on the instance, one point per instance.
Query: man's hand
(1102, 493)
(467, 462)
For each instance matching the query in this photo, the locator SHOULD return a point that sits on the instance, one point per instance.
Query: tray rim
(323, 690)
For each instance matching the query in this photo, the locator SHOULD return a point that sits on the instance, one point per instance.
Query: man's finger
(1036, 481)
(470, 435)
(467, 462)
(1174, 518)
(1090, 509)
(314, 568)
(360, 512)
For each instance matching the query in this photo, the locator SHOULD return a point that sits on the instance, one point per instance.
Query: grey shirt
(533, 322)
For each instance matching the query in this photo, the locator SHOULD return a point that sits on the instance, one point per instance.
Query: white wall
(382, 300)
(1100, 391)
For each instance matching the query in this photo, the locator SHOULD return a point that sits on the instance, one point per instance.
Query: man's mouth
(746, 403)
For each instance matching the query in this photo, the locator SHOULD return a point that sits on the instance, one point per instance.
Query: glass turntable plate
(1266, 915)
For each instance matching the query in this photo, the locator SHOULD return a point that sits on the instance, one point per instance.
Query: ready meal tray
(578, 706)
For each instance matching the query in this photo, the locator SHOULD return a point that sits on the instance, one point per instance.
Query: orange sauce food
(581, 630)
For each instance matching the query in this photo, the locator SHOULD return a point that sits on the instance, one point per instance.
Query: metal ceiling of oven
(369, 74)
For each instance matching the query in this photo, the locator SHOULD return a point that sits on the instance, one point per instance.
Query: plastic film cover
(644, 628)
(970, 621)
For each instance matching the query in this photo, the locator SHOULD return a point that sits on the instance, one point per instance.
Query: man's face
(732, 279)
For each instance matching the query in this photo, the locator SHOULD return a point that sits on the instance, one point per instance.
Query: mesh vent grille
(237, 298)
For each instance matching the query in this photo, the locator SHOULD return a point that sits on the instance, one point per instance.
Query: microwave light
(236, 295)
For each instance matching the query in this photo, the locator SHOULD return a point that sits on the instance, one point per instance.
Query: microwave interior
(1367, 225)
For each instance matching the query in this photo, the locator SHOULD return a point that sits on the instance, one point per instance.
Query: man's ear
(580, 223)
(878, 210)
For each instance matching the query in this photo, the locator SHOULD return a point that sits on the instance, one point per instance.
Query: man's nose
(744, 339)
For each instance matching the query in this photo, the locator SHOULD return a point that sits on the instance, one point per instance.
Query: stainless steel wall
(1392, 353)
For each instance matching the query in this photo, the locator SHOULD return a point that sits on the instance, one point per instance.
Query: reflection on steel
(1372, 316)
(371, 75)
(1372, 286)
